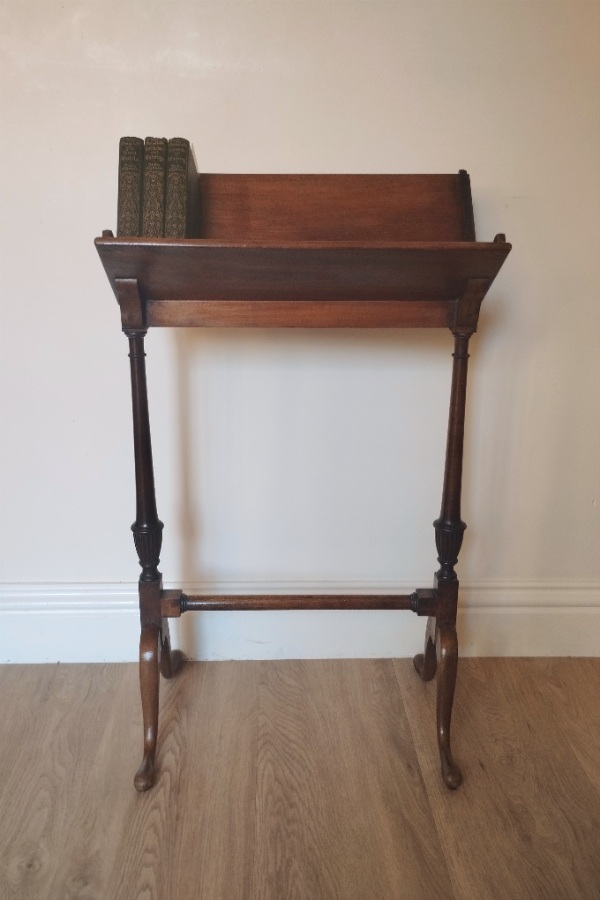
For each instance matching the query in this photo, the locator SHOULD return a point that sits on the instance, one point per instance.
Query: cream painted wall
(299, 456)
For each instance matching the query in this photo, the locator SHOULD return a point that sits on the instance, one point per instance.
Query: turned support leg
(441, 644)
(155, 649)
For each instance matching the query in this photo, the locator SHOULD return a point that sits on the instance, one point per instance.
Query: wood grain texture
(339, 800)
(94, 834)
(526, 821)
(52, 743)
(295, 601)
(355, 251)
(145, 858)
(301, 779)
(300, 314)
(214, 838)
(349, 207)
(328, 271)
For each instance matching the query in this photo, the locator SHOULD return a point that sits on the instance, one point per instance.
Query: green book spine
(155, 168)
(181, 210)
(129, 205)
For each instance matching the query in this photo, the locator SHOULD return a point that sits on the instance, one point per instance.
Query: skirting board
(99, 623)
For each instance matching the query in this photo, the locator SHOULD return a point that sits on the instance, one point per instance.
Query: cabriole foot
(149, 682)
(171, 661)
(450, 772)
(145, 775)
(426, 663)
(447, 649)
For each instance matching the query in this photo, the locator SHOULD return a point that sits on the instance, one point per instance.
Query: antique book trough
(308, 251)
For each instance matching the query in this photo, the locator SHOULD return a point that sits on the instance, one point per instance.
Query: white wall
(301, 460)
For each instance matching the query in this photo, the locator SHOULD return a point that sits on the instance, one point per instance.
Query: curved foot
(145, 775)
(450, 772)
(426, 663)
(447, 645)
(178, 660)
(171, 661)
(149, 682)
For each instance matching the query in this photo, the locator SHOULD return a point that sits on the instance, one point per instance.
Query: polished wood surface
(314, 780)
(312, 251)
(205, 602)
(183, 283)
(525, 823)
(347, 207)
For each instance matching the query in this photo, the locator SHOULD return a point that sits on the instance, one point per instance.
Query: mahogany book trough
(307, 251)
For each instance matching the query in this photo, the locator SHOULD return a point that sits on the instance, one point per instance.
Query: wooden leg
(449, 530)
(171, 661)
(426, 663)
(447, 651)
(147, 534)
(149, 683)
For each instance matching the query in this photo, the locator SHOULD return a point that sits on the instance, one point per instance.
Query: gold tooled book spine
(177, 178)
(155, 169)
(129, 205)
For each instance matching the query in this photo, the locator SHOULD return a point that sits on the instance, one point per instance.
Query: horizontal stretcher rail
(304, 601)
(341, 313)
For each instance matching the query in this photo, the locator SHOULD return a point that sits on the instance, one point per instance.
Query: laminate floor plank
(96, 830)
(301, 779)
(342, 809)
(526, 821)
(21, 722)
(56, 750)
(213, 838)
(145, 858)
(571, 695)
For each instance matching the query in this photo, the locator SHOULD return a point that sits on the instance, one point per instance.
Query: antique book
(154, 183)
(129, 204)
(182, 201)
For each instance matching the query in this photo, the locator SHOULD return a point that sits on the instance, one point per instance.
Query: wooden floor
(301, 781)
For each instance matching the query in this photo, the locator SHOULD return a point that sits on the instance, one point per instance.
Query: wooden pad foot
(145, 775)
(450, 772)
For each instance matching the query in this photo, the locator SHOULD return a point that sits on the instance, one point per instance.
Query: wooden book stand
(317, 251)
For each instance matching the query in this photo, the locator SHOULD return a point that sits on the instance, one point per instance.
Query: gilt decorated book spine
(182, 190)
(153, 206)
(131, 160)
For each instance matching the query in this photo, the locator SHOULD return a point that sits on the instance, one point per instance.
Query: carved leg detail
(171, 661)
(149, 681)
(426, 663)
(447, 648)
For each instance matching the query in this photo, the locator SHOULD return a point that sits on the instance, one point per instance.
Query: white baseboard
(99, 623)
